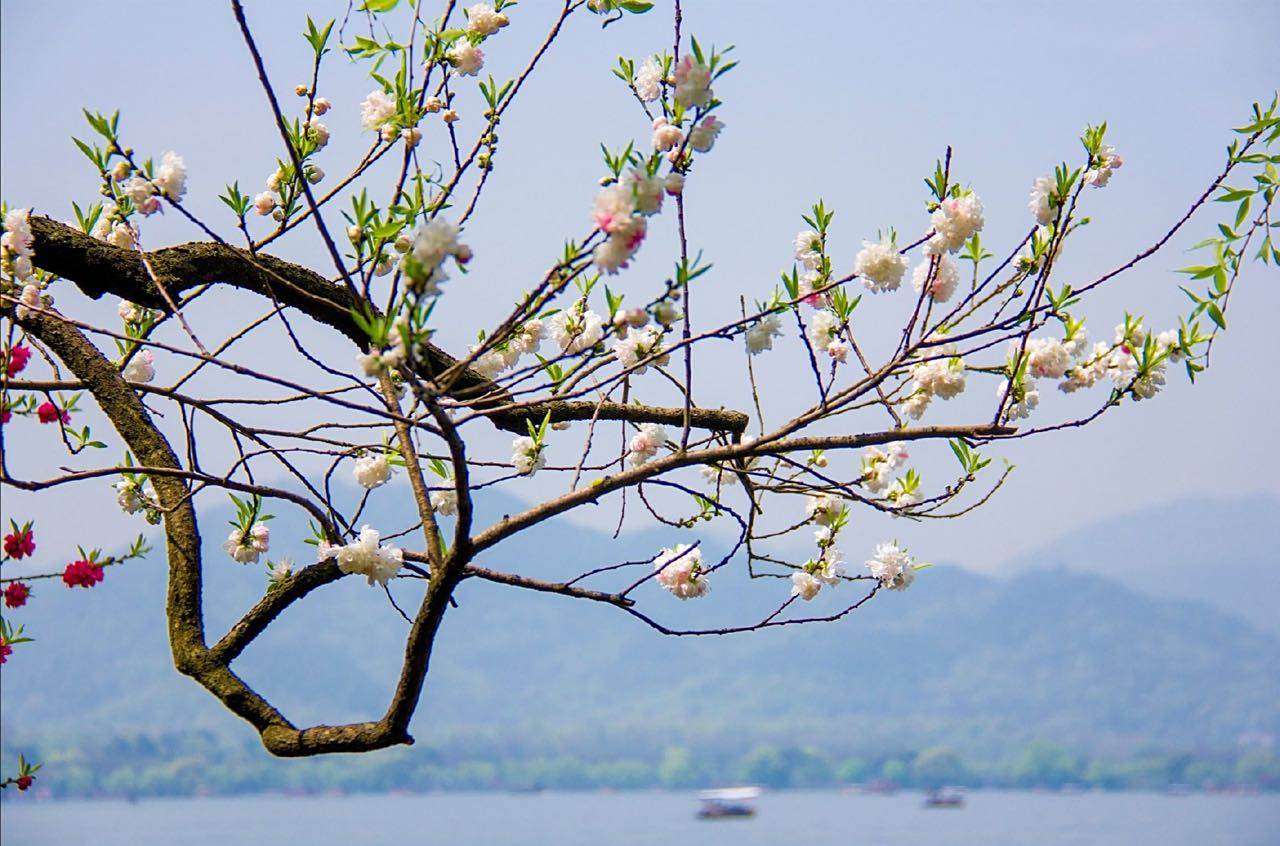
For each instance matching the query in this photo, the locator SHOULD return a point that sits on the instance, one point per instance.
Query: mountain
(1224, 552)
(959, 658)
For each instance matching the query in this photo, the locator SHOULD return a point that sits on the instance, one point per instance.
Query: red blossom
(15, 594)
(24, 781)
(83, 573)
(16, 359)
(50, 413)
(5, 649)
(20, 543)
(5, 415)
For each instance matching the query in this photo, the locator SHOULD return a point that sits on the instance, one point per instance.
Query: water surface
(808, 818)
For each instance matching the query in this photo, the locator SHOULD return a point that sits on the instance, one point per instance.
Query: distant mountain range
(959, 658)
(1224, 552)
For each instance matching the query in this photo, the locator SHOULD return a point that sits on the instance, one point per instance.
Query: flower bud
(450, 116)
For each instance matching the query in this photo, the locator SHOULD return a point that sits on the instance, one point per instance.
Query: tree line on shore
(206, 764)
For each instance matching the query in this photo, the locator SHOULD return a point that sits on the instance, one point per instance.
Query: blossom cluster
(247, 546)
(367, 556)
(679, 570)
(170, 181)
(893, 566)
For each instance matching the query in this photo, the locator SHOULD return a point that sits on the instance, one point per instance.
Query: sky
(850, 102)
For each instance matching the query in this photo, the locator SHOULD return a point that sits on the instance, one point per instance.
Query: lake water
(797, 818)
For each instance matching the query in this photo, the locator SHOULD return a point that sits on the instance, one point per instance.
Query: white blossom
(445, 502)
(1042, 203)
(141, 368)
(644, 444)
(824, 508)
(576, 330)
(761, 334)
(637, 345)
(467, 58)
(808, 246)
(367, 556)
(171, 176)
(954, 221)
(246, 547)
(483, 20)
(648, 80)
(1026, 396)
(943, 283)
(527, 455)
(893, 566)
(377, 109)
(880, 265)
(1047, 357)
(805, 585)
(704, 134)
(679, 571)
(372, 471)
(693, 83)
(1105, 163)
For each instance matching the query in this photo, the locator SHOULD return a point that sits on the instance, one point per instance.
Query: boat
(728, 803)
(946, 797)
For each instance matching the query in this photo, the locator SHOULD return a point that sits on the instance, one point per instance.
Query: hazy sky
(851, 102)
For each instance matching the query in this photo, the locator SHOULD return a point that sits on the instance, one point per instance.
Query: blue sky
(851, 102)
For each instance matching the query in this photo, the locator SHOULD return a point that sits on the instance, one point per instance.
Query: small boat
(946, 797)
(727, 803)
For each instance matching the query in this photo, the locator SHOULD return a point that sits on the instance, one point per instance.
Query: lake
(991, 818)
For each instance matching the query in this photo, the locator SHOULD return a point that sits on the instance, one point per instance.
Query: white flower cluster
(809, 248)
(482, 20)
(1024, 399)
(114, 230)
(703, 135)
(941, 376)
(761, 334)
(620, 212)
(893, 566)
(880, 265)
(246, 547)
(505, 355)
(644, 445)
(16, 250)
(170, 181)
(824, 509)
(878, 465)
(638, 345)
(576, 329)
(423, 262)
(1044, 202)
(445, 502)
(131, 497)
(527, 455)
(1119, 363)
(377, 110)
(372, 471)
(942, 282)
(824, 333)
(1105, 162)
(466, 58)
(693, 83)
(827, 570)
(679, 570)
(955, 221)
(648, 80)
(366, 555)
(141, 368)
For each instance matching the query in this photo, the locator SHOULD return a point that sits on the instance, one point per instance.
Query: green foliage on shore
(204, 764)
